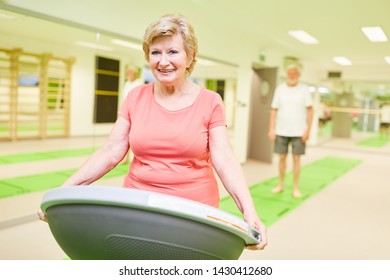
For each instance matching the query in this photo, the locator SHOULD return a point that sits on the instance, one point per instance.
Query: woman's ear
(190, 60)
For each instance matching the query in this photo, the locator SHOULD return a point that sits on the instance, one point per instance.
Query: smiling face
(168, 59)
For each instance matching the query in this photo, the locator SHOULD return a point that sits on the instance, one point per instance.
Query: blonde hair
(169, 25)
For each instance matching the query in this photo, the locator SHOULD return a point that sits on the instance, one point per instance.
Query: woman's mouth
(166, 70)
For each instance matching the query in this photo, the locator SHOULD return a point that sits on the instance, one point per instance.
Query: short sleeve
(131, 101)
(124, 110)
(274, 103)
(308, 98)
(218, 117)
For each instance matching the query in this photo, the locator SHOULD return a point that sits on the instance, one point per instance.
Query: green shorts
(282, 143)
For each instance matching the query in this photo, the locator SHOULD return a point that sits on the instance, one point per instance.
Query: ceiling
(227, 28)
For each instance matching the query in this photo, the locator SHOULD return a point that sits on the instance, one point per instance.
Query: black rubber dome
(95, 222)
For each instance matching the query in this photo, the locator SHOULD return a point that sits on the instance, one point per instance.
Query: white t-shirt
(385, 114)
(291, 104)
(128, 87)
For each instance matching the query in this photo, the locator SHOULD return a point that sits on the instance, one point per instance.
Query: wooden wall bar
(34, 95)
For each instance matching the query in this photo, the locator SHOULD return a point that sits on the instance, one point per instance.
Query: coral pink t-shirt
(171, 148)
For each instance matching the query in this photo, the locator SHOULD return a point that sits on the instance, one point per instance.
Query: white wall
(241, 126)
(230, 101)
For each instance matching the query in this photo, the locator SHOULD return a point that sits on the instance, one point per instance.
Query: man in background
(290, 123)
(133, 80)
(133, 74)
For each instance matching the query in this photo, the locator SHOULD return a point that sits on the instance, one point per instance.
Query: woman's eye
(154, 52)
(173, 52)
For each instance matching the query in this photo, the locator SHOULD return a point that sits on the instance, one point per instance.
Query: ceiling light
(303, 36)
(94, 46)
(387, 58)
(127, 44)
(342, 60)
(374, 34)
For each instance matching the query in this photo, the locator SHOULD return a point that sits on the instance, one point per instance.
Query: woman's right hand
(42, 215)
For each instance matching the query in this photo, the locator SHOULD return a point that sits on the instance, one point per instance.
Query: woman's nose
(164, 59)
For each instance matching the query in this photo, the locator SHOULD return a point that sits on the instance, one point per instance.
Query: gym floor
(345, 220)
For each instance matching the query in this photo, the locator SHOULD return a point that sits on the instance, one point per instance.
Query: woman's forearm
(97, 165)
(230, 172)
(106, 158)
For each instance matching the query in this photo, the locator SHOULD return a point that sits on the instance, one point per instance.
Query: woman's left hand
(257, 224)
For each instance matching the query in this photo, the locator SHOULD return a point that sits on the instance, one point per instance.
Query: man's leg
(281, 148)
(381, 130)
(282, 173)
(298, 149)
(296, 173)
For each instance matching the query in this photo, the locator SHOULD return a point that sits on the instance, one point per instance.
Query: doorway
(264, 82)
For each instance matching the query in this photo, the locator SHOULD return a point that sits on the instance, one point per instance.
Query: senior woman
(175, 128)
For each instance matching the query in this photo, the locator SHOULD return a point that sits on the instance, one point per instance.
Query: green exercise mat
(27, 157)
(373, 142)
(45, 181)
(314, 177)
